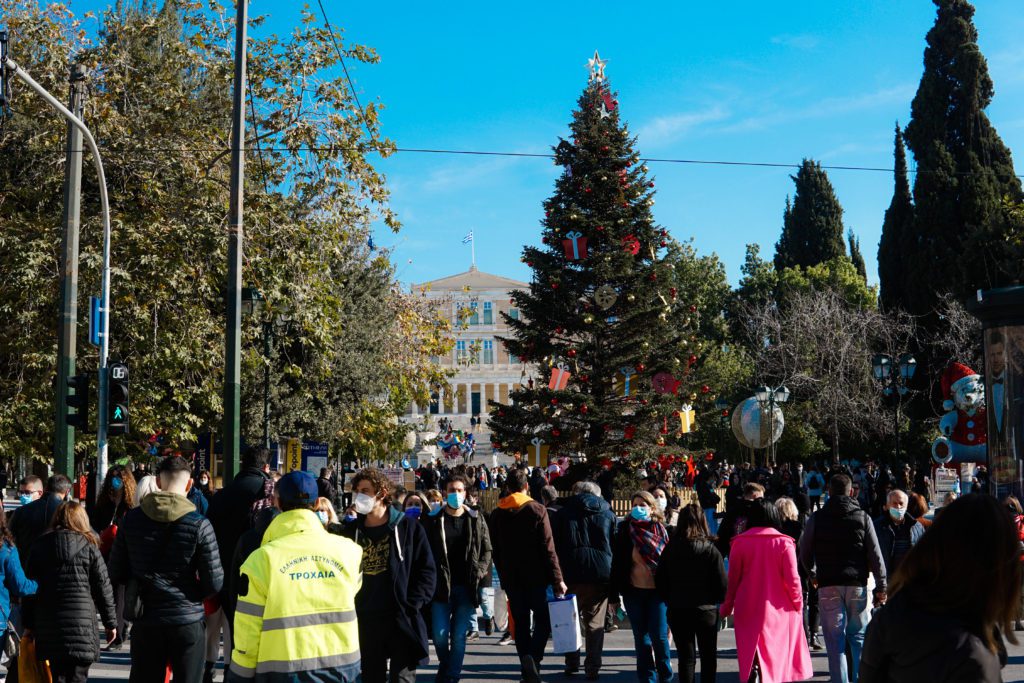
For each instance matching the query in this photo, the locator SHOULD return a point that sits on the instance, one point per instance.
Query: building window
(488, 355)
(513, 359)
(461, 353)
(488, 314)
(435, 403)
(474, 314)
(513, 313)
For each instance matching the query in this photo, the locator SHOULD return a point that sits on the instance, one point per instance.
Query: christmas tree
(604, 320)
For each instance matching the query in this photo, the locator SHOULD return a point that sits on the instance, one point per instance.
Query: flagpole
(472, 248)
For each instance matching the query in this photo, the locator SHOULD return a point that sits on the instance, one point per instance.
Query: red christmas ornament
(625, 204)
(675, 413)
(650, 184)
(600, 228)
(692, 359)
(725, 412)
(584, 408)
(605, 148)
(587, 190)
(556, 432)
(629, 432)
(710, 456)
(584, 378)
(664, 426)
(653, 277)
(640, 367)
(554, 401)
(529, 264)
(501, 413)
(672, 291)
(705, 389)
(571, 353)
(643, 401)
(607, 428)
(693, 308)
(663, 243)
(631, 245)
(554, 285)
(559, 330)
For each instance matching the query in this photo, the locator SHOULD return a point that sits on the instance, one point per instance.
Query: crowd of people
(267, 574)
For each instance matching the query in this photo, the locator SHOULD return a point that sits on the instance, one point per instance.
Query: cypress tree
(896, 231)
(856, 257)
(812, 228)
(964, 170)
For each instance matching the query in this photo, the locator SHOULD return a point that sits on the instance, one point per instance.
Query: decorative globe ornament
(751, 424)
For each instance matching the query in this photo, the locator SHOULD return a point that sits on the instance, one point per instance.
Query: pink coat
(764, 592)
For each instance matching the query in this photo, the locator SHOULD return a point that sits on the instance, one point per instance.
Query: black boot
(531, 674)
(208, 672)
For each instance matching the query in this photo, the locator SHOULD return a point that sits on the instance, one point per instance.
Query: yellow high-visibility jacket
(298, 615)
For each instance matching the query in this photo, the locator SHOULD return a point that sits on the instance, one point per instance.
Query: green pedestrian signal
(117, 400)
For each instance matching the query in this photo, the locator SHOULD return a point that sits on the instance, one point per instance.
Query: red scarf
(649, 539)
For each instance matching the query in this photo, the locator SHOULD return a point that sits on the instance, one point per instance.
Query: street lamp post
(252, 303)
(769, 398)
(894, 383)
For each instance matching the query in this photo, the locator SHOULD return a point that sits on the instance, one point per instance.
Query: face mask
(413, 512)
(455, 500)
(435, 507)
(350, 518)
(662, 503)
(364, 503)
(204, 482)
(25, 498)
(116, 483)
(897, 513)
(640, 513)
(322, 514)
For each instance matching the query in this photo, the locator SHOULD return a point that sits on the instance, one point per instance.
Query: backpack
(266, 501)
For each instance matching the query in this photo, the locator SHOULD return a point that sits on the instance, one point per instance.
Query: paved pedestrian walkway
(486, 662)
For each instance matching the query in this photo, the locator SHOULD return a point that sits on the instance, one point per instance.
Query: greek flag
(468, 238)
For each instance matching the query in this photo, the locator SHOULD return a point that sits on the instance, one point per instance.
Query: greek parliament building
(484, 369)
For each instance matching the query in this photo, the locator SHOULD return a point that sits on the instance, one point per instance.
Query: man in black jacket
(838, 548)
(583, 528)
(171, 550)
(324, 487)
(229, 511)
(461, 546)
(31, 521)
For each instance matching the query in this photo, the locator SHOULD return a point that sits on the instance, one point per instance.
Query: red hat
(952, 377)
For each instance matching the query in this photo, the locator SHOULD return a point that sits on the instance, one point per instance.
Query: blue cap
(297, 487)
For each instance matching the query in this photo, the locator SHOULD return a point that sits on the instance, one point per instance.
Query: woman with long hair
(115, 499)
(951, 601)
(73, 587)
(691, 580)
(793, 527)
(636, 551)
(765, 594)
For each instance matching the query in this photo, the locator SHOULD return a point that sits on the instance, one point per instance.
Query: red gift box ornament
(575, 245)
(559, 377)
(631, 244)
(664, 383)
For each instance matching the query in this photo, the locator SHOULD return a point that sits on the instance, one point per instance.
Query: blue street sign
(94, 320)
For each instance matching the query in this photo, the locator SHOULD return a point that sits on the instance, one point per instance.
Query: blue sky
(740, 81)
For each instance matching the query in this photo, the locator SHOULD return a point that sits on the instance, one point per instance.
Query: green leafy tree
(961, 232)
(812, 226)
(838, 275)
(895, 248)
(159, 103)
(603, 195)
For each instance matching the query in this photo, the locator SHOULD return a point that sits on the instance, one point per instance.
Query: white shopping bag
(565, 624)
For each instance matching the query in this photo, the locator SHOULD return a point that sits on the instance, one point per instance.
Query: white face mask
(364, 503)
(662, 503)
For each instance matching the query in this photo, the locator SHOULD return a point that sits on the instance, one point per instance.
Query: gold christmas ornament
(630, 298)
(588, 318)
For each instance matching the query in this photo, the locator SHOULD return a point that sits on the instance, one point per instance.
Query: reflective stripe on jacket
(297, 621)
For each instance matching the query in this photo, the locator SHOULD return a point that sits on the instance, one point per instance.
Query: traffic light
(117, 401)
(77, 401)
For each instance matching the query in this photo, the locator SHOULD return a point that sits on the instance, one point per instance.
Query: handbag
(12, 644)
(133, 607)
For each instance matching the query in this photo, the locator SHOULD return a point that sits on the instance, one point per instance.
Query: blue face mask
(116, 483)
(413, 512)
(350, 518)
(25, 498)
(641, 513)
(896, 513)
(455, 500)
(324, 517)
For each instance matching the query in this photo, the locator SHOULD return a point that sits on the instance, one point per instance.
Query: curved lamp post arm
(101, 412)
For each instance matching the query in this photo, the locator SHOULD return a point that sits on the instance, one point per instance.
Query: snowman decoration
(964, 426)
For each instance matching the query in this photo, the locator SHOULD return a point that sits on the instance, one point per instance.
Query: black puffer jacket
(583, 530)
(690, 574)
(166, 539)
(31, 521)
(229, 510)
(73, 586)
(839, 544)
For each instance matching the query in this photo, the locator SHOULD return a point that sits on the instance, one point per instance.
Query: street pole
(897, 426)
(64, 436)
(101, 419)
(267, 331)
(233, 332)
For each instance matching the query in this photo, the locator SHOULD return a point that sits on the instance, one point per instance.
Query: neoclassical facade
(484, 369)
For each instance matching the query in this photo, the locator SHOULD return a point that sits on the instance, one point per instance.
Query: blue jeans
(648, 616)
(845, 612)
(448, 622)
